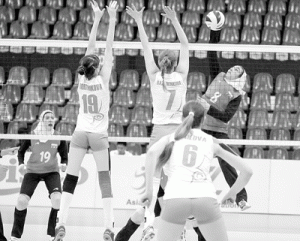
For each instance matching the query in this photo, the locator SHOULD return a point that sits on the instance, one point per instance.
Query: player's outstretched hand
(146, 199)
(169, 13)
(112, 9)
(229, 197)
(135, 14)
(98, 13)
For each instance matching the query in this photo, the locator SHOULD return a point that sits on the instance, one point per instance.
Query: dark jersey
(43, 158)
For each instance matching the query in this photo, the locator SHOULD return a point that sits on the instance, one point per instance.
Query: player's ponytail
(88, 65)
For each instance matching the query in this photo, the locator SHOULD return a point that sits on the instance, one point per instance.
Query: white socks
(65, 202)
(108, 213)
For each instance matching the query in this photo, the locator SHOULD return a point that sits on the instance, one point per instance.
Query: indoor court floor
(87, 225)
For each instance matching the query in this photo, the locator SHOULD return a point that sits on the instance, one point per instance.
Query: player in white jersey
(186, 156)
(168, 83)
(92, 123)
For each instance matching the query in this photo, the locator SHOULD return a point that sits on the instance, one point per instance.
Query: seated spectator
(121, 150)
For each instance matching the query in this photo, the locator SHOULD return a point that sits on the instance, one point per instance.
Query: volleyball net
(36, 75)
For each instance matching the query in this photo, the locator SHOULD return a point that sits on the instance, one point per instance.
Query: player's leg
(53, 184)
(78, 147)
(136, 219)
(28, 186)
(99, 145)
(2, 237)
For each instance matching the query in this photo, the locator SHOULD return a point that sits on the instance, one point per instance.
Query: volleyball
(215, 20)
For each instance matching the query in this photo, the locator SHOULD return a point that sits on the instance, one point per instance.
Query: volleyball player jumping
(41, 166)
(186, 156)
(92, 124)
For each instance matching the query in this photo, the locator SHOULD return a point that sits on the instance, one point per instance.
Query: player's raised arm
(92, 39)
(183, 64)
(151, 66)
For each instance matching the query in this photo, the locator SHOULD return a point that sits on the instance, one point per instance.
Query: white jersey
(94, 105)
(188, 167)
(167, 105)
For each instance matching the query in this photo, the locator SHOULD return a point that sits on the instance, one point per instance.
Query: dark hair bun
(81, 70)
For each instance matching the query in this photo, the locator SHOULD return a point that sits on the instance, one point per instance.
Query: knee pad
(55, 199)
(70, 183)
(23, 201)
(105, 184)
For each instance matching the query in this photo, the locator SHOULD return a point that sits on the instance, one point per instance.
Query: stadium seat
(292, 21)
(67, 15)
(258, 119)
(247, 86)
(261, 100)
(105, 18)
(253, 20)
(40, 30)
(285, 83)
(151, 18)
(291, 37)
(62, 30)
(297, 120)
(296, 155)
(191, 18)
(124, 97)
(74, 97)
(56, 4)
(134, 148)
(14, 126)
(166, 33)
(127, 19)
(18, 30)
(250, 36)
(18, 75)
(294, 6)
(297, 137)
(139, 4)
(102, 31)
(270, 36)
(1, 127)
(65, 128)
(244, 102)
(15, 4)
(81, 31)
(33, 94)
(192, 95)
(135, 130)
(177, 5)
(284, 101)
(281, 119)
(196, 6)
(256, 134)
(40, 76)
(115, 130)
(196, 81)
(263, 82)
(37, 4)
(129, 79)
(86, 16)
(113, 83)
(26, 113)
(75, 4)
(167, 21)
(278, 153)
(239, 119)
(277, 7)
(254, 152)
(191, 34)
(119, 115)
(273, 20)
(141, 115)
(204, 34)
(55, 95)
(101, 4)
(27, 14)
(7, 14)
(48, 15)
(145, 83)
(70, 113)
(229, 35)
(156, 5)
(235, 133)
(62, 77)
(151, 34)
(2, 76)
(6, 111)
(12, 94)
(144, 98)
(237, 6)
(124, 32)
(257, 6)
(280, 135)
(216, 5)
(3, 29)
(232, 20)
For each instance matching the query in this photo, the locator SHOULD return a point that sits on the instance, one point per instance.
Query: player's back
(167, 104)
(94, 104)
(189, 165)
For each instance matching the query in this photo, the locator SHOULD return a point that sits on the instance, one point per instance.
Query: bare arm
(92, 39)
(108, 56)
(183, 64)
(151, 66)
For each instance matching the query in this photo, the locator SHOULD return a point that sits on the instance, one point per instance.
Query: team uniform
(189, 190)
(92, 122)
(41, 166)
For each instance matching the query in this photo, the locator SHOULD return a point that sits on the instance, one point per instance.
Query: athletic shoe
(14, 239)
(244, 205)
(108, 235)
(60, 233)
(183, 235)
(148, 233)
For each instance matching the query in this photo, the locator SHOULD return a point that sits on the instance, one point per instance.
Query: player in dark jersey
(41, 166)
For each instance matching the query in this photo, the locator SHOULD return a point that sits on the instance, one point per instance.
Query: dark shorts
(31, 180)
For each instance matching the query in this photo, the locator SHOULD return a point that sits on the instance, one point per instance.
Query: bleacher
(269, 110)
